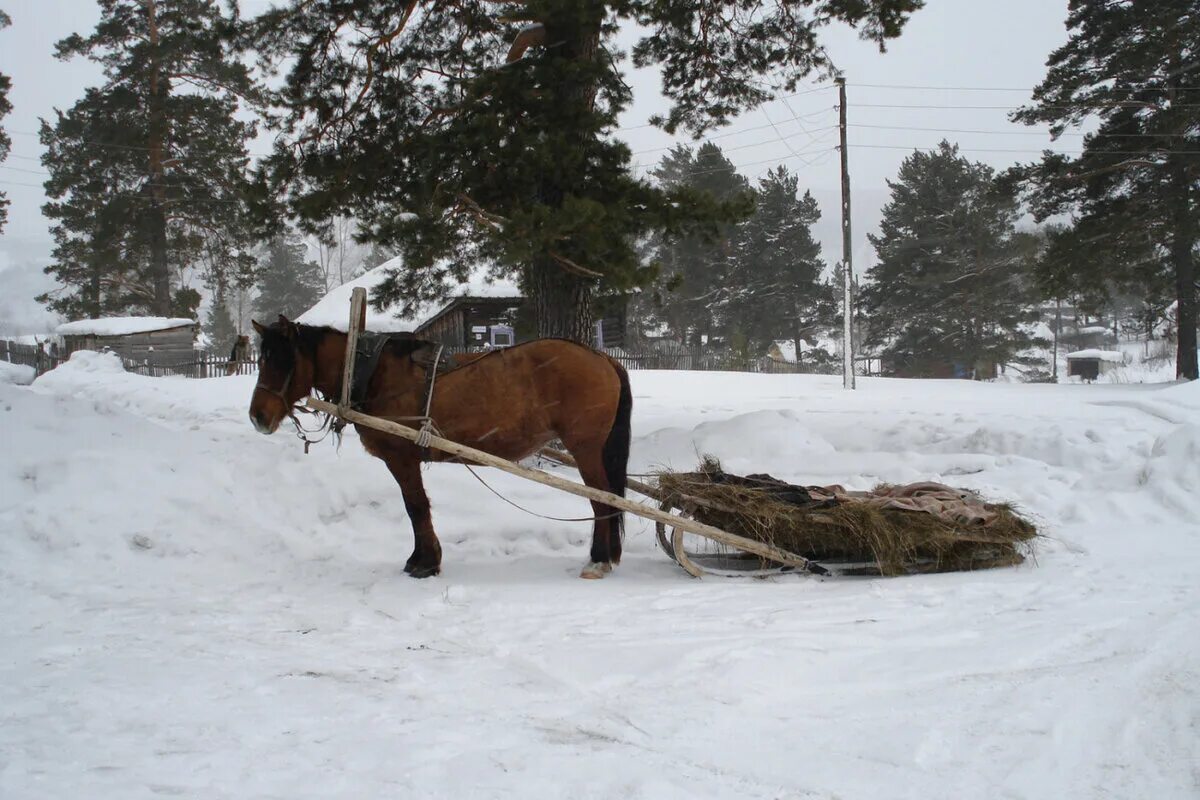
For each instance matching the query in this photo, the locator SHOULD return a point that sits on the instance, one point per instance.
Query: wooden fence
(213, 365)
(29, 355)
(710, 361)
(201, 365)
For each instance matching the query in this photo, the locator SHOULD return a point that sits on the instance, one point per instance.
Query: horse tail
(616, 448)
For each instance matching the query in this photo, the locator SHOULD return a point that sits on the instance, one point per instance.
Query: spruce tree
(694, 288)
(777, 288)
(288, 282)
(950, 285)
(219, 325)
(5, 141)
(377, 255)
(149, 169)
(410, 116)
(1130, 69)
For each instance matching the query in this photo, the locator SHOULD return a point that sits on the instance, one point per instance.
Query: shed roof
(1102, 355)
(334, 308)
(121, 326)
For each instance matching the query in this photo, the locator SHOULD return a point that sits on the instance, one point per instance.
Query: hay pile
(875, 541)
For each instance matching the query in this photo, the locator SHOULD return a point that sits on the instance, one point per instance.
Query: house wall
(172, 346)
(453, 326)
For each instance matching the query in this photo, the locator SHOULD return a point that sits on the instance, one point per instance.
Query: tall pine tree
(950, 286)
(148, 170)
(288, 282)
(411, 116)
(5, 141)
(693, 287)
(776, 285)
(1131, 68)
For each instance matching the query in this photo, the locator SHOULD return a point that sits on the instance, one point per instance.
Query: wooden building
(156, 341)
(1091, 364)
(472, 322)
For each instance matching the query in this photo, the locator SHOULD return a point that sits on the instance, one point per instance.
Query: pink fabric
(955, 506)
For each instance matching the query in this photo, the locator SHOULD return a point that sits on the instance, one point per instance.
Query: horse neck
(328, 363)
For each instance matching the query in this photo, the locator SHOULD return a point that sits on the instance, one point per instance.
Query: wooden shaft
(608, 498)
(358, 303)
(566, 459)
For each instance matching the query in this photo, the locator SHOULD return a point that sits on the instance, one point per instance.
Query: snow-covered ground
(192, 609)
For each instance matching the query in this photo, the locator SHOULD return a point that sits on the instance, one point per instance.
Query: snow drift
(194, 609)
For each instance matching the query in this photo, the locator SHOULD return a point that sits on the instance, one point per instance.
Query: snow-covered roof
(1103, 355)
(334, 308)
(120, 326)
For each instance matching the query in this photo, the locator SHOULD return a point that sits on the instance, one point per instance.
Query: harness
(368, 350)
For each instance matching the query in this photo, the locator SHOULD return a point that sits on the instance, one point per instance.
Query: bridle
(327, 426)
(281, 392)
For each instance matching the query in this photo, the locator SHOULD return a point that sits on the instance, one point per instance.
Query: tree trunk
(562, 302)
(157, 214)
(1183, 240)
(1057, 331)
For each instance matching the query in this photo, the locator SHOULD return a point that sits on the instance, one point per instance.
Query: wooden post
(358, 307)
(760, 549)
(847, 263)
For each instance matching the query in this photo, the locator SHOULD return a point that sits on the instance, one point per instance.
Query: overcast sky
(992, 52)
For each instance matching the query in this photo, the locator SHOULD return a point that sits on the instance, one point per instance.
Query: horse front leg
(426, 558)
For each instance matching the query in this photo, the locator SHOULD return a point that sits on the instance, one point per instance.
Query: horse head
(285, 373)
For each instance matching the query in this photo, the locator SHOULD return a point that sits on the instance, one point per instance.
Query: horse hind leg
(601, 558)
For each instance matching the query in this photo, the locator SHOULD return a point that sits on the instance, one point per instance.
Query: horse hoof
(416, 571)
(596, 570)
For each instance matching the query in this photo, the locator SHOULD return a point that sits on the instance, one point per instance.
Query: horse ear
(288, 326)
(258, 327)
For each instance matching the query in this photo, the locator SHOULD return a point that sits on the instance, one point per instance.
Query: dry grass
(882, 542)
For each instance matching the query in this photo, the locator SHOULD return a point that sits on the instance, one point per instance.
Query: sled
(688, 504)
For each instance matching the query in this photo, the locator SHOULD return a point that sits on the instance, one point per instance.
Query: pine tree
(1130, 67)
(694, 270)
(5, 141)
(219, 325)
(950, 286)
(409, 116)
(288, 283)
(377, 255)
(148, 170)
(777, 285)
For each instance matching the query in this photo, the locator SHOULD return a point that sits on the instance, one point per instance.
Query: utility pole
(847, 268)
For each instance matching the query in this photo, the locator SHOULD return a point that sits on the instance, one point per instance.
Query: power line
(1080, 106)
(1017, 133)
(975, 88)
(940, 88)
(128, 195)
(801, 155)
(1025, 150)
(778, 138)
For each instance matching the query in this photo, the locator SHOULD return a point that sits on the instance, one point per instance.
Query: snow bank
(334, 309)
(1173, 470)
(120, 326)
(193, 609)
(18, 374)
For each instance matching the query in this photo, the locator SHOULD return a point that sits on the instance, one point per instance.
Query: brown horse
(509, 403)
